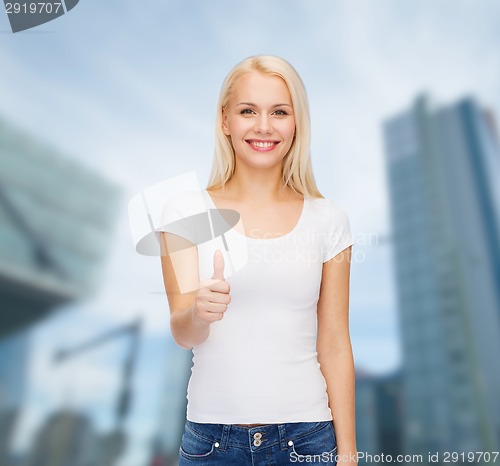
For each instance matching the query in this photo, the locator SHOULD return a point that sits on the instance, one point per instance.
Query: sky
(130, 90)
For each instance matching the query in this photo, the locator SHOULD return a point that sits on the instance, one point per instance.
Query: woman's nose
(263, 125)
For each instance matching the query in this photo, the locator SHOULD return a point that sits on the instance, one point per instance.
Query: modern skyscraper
(56, 220)
(56, 217)
(443, 166)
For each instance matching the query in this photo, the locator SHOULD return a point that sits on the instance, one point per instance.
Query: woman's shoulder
(329, 209)
(320, 205)
(189, 202)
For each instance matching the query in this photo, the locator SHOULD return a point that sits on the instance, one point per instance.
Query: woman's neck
(258, 189)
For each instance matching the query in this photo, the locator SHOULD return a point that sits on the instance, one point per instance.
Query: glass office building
(443, 166)
(56, 217)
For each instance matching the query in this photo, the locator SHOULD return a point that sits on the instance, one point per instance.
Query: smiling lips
(261, 145)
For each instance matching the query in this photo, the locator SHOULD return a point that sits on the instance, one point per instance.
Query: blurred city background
(113, 97)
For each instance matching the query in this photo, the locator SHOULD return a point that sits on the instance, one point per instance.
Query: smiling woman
(273, 372)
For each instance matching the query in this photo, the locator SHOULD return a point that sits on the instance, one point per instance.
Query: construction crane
(113, 443)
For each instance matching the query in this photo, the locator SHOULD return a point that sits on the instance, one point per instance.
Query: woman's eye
(246, 111)
(281, 112)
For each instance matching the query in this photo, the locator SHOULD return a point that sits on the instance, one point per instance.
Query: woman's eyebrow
(253, 105)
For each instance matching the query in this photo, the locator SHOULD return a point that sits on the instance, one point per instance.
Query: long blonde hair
(297, 168)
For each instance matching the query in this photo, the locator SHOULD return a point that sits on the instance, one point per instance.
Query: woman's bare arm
(181, 279)
(334, 349)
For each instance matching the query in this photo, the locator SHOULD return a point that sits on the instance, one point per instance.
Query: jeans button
(257, 436)
(257, 442)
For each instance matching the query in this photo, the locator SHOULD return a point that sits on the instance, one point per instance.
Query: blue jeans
(272, 444)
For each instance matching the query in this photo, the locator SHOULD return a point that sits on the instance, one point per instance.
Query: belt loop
(226, 429)
(282, 433)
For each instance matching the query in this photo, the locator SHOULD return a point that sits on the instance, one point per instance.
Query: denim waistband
(270, 434)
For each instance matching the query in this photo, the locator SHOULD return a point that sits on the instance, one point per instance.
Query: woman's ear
(225, 126)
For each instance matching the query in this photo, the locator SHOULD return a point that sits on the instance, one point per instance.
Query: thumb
(218, 265)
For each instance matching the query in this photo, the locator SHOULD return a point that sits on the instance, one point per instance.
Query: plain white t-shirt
(259, 363)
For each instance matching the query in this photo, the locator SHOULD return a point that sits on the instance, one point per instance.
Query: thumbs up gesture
(213, 296)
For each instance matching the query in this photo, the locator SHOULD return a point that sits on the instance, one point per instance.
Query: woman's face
(259, 119)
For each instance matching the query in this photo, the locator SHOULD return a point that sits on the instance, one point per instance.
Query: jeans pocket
(319, 446)
(194, 446)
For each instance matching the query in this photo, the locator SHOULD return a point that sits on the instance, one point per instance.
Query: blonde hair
(297, 168)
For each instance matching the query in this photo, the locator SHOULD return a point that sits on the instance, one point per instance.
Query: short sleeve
(174, 221)
(339, 235)
(177, 220)
(186, 215)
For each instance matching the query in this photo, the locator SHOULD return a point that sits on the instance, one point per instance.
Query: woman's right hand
(213, 295)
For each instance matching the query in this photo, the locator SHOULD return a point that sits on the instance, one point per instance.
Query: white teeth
(262, 144)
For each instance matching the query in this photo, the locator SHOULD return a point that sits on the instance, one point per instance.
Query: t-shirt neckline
(276, 238)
